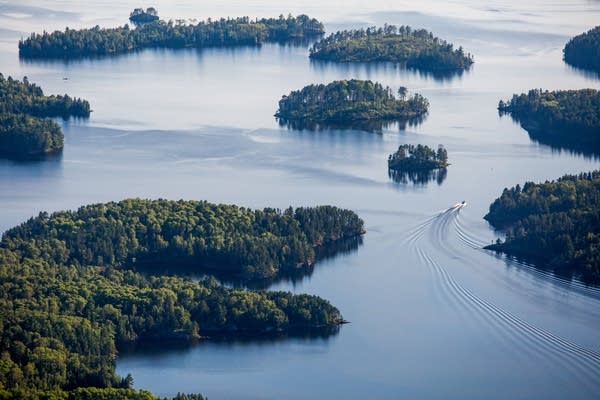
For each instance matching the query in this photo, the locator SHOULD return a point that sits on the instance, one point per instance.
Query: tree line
(68, 302)
(139, 16)
(409, 157)
(555, 223)
(417, 48)
(25, 129)
(583, 50)
(223, 239)
(97, 41)
(568, 118)
(350, 101)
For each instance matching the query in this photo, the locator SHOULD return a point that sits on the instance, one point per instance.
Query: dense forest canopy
(23, 136)
(583, 51)
(350, 101)
(24, 129)
(27, 98)
(139, 16)
(417, 48)
(66, 306)
(555, 223)
(409, 157)
(568, 118)
(96, 41)
(223, 239)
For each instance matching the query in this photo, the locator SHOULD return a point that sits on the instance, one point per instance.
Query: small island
(583, 51)
(416, 48)
(96, 41)
(565, 118)
(71, 296)
(139, 16)
(25, 130)
(418, 164)
(349, 103)
(554, 224)
(418, 158)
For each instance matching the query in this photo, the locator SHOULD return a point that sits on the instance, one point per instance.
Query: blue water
(432, 315)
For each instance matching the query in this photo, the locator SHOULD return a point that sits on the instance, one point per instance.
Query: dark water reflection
(323, 66)
(418, 177)
(25, 160)
(374, 126)
(172, 348)
(588, 73)
(563, 140)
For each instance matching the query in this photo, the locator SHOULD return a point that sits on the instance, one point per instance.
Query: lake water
(432, 315)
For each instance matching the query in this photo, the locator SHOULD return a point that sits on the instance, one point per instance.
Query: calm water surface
(433, 316)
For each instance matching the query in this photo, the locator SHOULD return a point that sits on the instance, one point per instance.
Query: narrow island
(553, 224)
(70, 295)
(583, 51)
(416, 48)
(418, 164)
(349, 103)
(139, 16)
(25, 129)
(96, 41)
(567, 119)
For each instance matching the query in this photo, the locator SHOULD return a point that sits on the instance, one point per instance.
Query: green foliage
(22, 136)
(556, 223)
(583, 51)
(210, 33)
(65, 307)
(201, 236)
(567, 118)
(349, 101)
(89, 393)
(62, 318)
(24, 132)
(418, 158)
(417, 48)
(139, 16)
(18, 97)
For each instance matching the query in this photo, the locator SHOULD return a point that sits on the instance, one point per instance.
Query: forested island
(70, 297)
(25, 130)
(418, 158)
(416, 48)
(139, 16)
(350, 103)
(583, 51)
(220, 239)
(97, 41)
(564, 118)
(418, 164)
(555, 224)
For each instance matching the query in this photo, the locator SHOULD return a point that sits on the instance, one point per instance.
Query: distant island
(418, 158)
(350, 103)
(417, 49)
(555, 224)
(25, 130)
(418, 164)
(98, 41)
(565, 118)
(71, 297)
(583, 51)
(139, 16)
